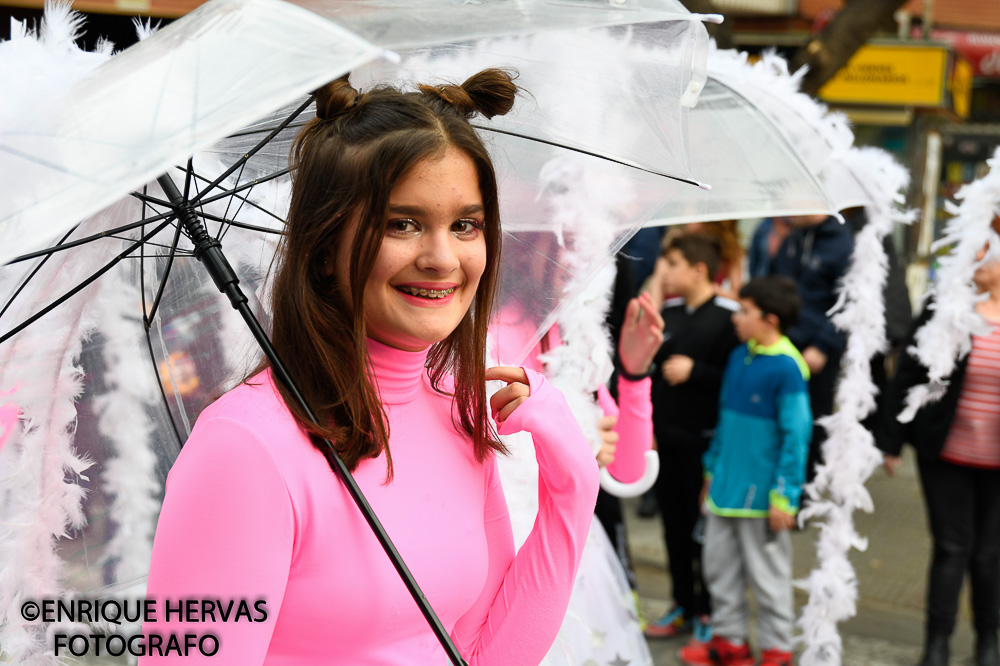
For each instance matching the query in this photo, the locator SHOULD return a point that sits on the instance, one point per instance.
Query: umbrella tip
(391, 56)
(704, 186)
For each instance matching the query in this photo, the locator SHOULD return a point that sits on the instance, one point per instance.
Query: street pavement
(888, 627)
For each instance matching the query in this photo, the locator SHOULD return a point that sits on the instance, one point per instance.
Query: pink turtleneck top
(253, 512)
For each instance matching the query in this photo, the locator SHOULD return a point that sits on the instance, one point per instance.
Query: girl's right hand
(506, 400)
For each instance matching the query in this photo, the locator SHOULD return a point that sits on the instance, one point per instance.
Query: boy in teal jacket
(754, 469)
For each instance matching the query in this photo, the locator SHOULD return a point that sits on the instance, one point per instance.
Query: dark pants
(822, 388)
(609, 513)
(677, 489)
(963, 506)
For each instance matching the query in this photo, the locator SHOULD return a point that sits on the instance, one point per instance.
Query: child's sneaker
(717, 652)
(702, 632)
(772, 657)
(672, 624)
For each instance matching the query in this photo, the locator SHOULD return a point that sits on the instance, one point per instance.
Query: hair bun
(335, 98)
(490, 92)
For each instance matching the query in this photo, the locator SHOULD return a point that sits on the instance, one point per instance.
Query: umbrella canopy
(86, 458)
(231, 62)
(762, 173)
(823, 140)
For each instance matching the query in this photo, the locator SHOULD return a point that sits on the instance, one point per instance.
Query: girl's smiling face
(432, 256)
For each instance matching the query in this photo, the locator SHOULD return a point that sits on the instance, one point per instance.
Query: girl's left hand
(641, 335)
(506, 400)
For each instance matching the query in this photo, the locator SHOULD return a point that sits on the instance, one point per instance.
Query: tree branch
(854, 25)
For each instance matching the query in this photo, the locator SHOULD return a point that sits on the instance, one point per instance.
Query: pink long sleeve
(226, 533)
(253, 512)
(523, 604)
(634, 427)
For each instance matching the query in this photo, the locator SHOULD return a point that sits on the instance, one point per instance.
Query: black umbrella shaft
(209, 251)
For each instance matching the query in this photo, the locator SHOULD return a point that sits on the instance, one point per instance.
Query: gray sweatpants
(735, 555)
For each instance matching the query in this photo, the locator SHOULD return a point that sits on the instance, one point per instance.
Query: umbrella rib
(229, 204)
(587, 152)
(142, 259)
(146, 323)
(104, 234)
(188, 172)
(250, 153)
(180, 253)
(146, 199)
(243, 225)
(184, 255)
(247, 186)
(166, 274)
(223, 229)
(163, 393)
(264, 129)
(34, 272)
(72, 292)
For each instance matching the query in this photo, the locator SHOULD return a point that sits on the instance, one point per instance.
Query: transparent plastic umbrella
(112, 339)
(754, 170)
(230, 62)
(823, 140)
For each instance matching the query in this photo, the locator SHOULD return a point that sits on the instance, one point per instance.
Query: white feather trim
(43, 499)
(584, 207)
(947, 335)
(849, 451)
(129, 475)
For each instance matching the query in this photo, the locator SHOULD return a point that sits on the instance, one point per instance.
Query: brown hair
(729, 241)
(698, 248)
(777, 295)
(345, 163)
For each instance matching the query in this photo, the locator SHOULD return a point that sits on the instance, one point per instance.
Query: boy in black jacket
(698, 337)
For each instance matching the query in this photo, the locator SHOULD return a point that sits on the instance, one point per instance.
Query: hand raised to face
(641, 335)
(506, 400)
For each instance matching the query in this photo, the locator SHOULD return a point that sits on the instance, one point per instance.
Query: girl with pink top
(382, 295)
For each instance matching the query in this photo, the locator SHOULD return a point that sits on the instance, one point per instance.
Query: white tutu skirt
(601, 627)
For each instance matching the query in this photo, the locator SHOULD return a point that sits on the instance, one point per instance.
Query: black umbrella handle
(209, 252)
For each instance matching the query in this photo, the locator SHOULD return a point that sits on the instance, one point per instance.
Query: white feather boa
(849, 451)
(42, 500)
(129, 475)
(584, 361)
(947, 335)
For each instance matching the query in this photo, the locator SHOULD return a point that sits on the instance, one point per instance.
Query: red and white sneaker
(716, 652)
(772, 657)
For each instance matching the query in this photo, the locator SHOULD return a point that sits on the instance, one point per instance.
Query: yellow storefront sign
(893, 75)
